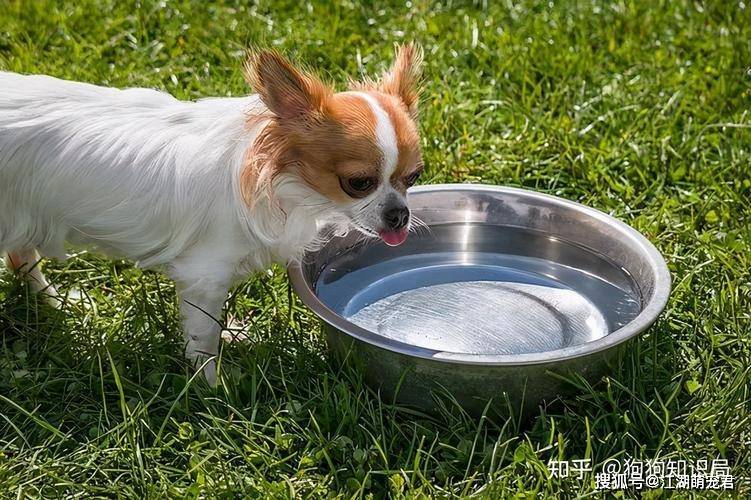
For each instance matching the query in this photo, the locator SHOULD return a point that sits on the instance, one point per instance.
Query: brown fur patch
(339, 141)
(322, 136)
(402, 80)
(287, 91)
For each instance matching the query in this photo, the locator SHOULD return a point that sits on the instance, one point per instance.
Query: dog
(207, 191)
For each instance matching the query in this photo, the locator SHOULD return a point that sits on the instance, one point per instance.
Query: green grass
(640, 109)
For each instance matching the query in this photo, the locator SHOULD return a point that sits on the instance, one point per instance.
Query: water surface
(483, 302)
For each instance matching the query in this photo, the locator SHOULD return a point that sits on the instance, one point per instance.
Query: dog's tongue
(394, 238)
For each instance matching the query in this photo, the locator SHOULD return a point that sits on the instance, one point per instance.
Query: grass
(640, 109)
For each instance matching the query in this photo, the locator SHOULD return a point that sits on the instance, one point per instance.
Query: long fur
(137, 173)
(207, 191)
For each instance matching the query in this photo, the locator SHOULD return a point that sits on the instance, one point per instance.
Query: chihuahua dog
(208, 191)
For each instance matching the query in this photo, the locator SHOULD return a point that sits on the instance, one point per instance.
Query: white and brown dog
(211, 190)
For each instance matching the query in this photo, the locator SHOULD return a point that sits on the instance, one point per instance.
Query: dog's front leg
(200, 307)
(27, 263)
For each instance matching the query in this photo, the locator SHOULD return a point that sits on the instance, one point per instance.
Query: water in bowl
(481, 289)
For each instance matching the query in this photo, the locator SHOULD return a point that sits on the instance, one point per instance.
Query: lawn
(640, 109)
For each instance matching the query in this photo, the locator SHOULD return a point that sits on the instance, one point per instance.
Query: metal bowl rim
(652, 308)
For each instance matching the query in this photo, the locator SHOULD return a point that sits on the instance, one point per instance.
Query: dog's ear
(287, 91)
(403, 79)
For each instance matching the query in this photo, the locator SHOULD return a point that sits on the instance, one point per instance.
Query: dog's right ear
(288, 92)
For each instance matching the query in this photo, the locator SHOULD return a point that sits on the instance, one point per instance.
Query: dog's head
(359, 149)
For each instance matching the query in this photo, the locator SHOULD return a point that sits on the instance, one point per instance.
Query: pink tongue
(394, 238)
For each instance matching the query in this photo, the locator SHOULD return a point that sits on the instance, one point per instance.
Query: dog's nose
(396, 218)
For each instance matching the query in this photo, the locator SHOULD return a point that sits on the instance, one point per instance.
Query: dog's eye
(358, 187)
(412, 178)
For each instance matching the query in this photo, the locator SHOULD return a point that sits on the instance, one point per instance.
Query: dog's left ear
(403, 79)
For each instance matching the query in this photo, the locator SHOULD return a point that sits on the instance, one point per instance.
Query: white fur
(370, 209)
(385, 135)
(139, 174)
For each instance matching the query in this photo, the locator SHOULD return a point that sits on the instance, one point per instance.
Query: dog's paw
(234, 331)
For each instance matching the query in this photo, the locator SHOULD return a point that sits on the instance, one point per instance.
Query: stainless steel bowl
(503, 292)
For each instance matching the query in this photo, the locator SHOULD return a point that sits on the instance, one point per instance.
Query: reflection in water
(485, 317)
